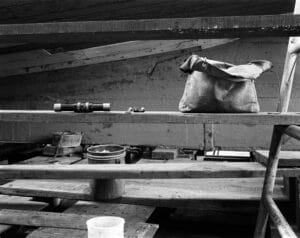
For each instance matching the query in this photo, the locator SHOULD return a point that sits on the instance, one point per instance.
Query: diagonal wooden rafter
(40, 61)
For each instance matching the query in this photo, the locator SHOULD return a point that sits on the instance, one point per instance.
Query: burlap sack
(214, 86)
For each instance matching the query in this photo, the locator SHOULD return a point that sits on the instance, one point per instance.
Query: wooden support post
(285, 95)
(269, 182)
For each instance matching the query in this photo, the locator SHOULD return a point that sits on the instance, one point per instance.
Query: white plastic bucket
(106, 227)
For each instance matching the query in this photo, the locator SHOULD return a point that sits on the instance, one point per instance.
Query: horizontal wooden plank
(38, 11)
(155, 192)
(48, 117)
(44, 219)
(153, 171)
(146, 29)
(14, 202)
(140, 171)
(55, 220)
(161, 128)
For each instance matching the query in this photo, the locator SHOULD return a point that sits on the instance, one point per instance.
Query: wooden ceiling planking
(22, 11)
(150, 29)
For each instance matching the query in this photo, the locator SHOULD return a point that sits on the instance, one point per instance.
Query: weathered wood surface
(39, 61)
(152, 117)
(147, 29)
(286, 158)
(14, 202)
(49, 10)
(26, 202)
(44, 219)
(158, 192)
(133, 215)
(126, 128)
(140, 171)
(55, 220)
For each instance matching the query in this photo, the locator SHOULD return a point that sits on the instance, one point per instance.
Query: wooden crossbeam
(153, 117)
(149, 128)
(140, 171)
(180, 28)
(131, 171)
(55, 220)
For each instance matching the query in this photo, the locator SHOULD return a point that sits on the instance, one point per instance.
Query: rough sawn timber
(147, 29)
(135, 217)
(38, 11)
(154, 192)
(58, 220)
(45, 116)
(40, 61)
(140, 171)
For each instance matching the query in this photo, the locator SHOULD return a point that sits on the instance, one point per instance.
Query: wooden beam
(38, 11)
(43, 219)
(141, 171)
(38, 126)
(155, 117)
(52, 219)
(154, 192)
(173, 28)
(40, 61)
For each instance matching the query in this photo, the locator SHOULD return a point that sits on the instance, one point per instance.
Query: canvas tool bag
(214, 86)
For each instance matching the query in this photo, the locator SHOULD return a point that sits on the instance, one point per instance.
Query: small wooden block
(164, 154)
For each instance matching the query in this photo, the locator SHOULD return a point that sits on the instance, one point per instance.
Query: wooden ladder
(267, 205)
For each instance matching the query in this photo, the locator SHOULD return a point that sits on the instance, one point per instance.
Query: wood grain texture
(126, 128)
(39, 61)
(146, 29)
(152, 117)
(141, 171)
(60, 220)
(133, 215)
(158, 192)
(54, 10)
(14, 202)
